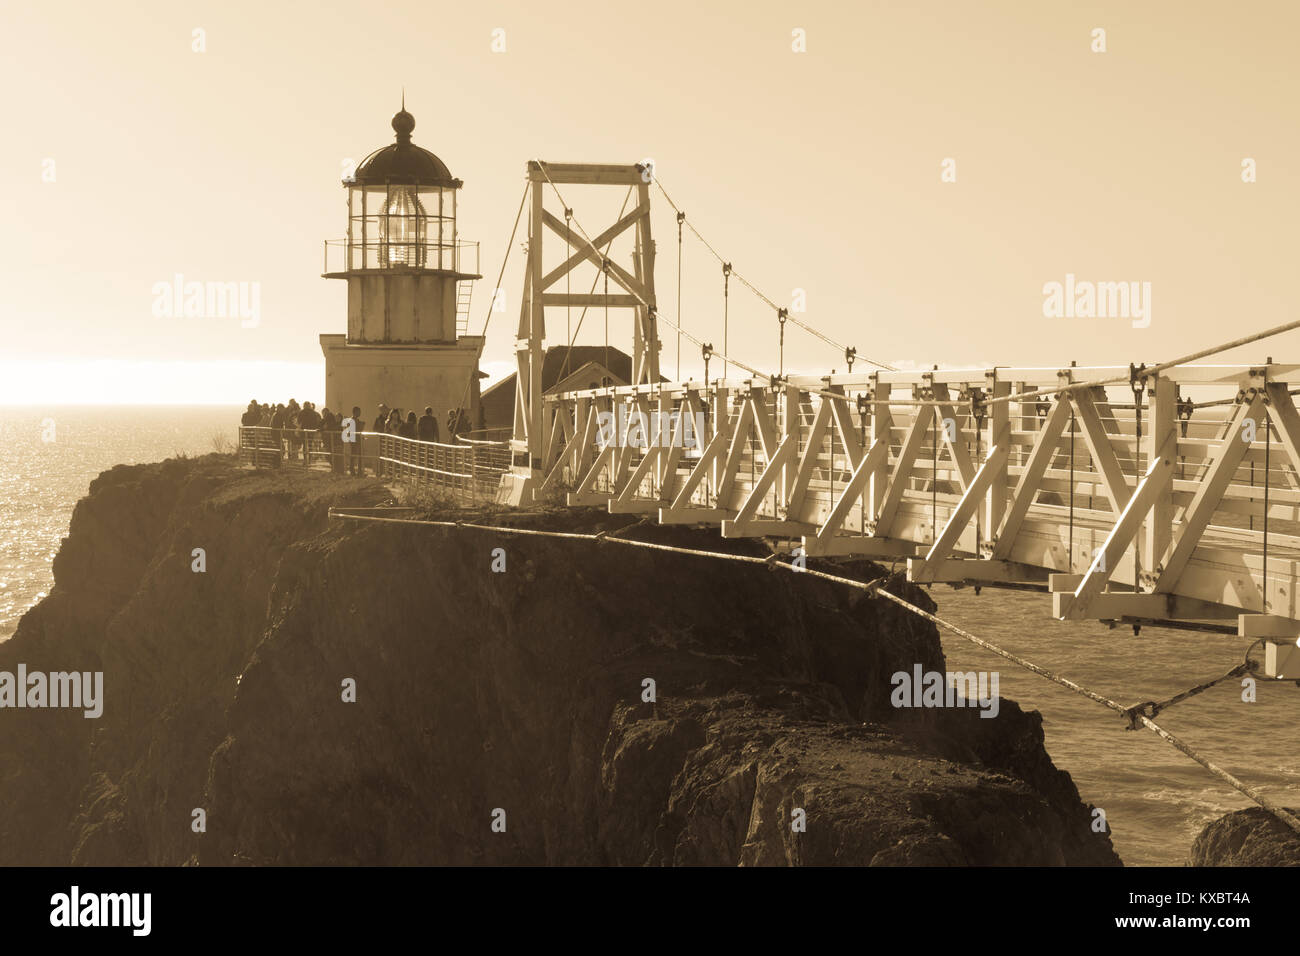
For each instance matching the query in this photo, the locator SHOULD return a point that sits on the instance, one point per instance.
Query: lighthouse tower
(409, 279)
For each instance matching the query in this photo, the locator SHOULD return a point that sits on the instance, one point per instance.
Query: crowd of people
(339, 434)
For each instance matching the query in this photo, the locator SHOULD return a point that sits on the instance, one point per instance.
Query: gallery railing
(450, 256)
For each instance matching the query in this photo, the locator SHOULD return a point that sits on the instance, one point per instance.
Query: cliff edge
(499, 717)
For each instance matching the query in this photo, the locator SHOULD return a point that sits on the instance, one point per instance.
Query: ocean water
(1155, 799)
(50, 457)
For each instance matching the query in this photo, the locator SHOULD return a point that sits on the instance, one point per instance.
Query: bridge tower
(409, 276)
(637, 293)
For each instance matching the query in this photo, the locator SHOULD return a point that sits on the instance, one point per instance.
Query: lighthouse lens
(402, 229)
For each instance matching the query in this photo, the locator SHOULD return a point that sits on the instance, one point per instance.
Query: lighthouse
(409, 278)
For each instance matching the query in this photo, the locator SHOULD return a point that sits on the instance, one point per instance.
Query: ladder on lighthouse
(464, 289)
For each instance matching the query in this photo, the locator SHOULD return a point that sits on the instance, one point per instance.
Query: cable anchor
(978, 408)
(1137, 380)
(1147, 709)
(864, 406)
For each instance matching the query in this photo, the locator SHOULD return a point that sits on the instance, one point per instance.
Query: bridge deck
(1177, 502)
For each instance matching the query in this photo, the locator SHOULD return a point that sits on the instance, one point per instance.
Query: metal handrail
(470, 469)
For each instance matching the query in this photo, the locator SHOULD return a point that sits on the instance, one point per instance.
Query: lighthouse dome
(403, 163)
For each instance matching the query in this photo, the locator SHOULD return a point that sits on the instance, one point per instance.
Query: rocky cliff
(1250, 837)
(483, 697)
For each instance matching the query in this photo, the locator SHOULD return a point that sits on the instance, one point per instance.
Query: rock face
(1252, 837)
(482, 696)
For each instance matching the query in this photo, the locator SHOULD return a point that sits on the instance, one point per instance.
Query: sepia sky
(817, 170)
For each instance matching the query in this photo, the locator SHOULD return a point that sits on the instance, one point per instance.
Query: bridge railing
(469, 470)
(1178, 501)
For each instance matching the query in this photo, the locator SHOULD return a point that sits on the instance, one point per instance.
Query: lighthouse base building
(405, 377)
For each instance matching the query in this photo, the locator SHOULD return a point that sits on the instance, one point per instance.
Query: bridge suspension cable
(1135, 373)
(754, 289)
(726, 311)
(681, 218)
(682, 331)
(827, 393)
(641, 299)
(1154, 369)
(492, 302)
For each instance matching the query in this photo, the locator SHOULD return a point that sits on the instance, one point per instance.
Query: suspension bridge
(1165, 494)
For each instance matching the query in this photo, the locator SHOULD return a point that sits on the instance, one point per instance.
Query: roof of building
(618, 361)
(620, 364)
(403, 163)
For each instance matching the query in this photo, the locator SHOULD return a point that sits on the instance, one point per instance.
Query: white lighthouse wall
(401, 307)
(408, 378)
